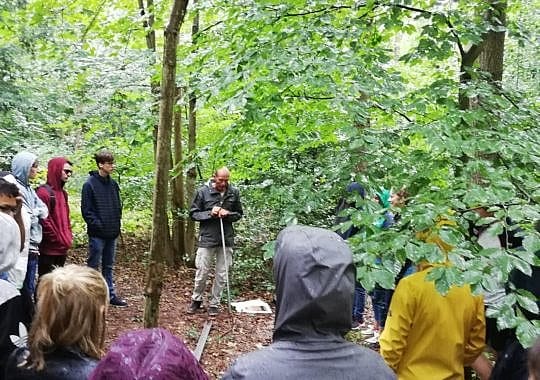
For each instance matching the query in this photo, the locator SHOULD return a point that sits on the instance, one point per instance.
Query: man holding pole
(216, 206)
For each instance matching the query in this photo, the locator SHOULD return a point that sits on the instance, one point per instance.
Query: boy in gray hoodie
(24, 167)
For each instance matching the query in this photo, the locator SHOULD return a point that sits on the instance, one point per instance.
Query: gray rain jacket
(33, 210)
(20, 168)
(314, 276)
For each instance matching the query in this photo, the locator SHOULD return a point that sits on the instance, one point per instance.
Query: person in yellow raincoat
(429, 335)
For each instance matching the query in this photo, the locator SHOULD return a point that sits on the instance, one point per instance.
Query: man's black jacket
(210, 231)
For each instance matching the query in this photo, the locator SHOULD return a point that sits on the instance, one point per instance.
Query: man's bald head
(221, 179)
(223, 171)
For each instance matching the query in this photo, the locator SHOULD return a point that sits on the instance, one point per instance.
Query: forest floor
(231, 334)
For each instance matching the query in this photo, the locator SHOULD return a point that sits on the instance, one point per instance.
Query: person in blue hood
(314, 275)
(24, 168)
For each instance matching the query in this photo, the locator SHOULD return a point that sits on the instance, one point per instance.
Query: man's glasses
(68, 172)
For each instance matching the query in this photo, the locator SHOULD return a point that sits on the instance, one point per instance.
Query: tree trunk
(189, 242)
(177, 183)
(160, 242)
(490, 53)
(492, 57)
(467, 60)
(148, 25)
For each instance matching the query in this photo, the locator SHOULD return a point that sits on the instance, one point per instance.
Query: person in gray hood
(314, 275)
(24, 168)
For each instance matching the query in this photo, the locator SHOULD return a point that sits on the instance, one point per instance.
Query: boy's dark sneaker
(195, 305)
(356, 325)
(118, 302)
(213, 311)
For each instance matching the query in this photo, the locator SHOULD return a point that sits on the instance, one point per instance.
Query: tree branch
(93, 21)
(310, 97)
(400, 113)
(306, 13)
(514, 182)
(210, 27)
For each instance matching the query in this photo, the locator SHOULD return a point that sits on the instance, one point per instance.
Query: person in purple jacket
(148, 354)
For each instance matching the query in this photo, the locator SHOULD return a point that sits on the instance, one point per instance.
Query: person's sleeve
(477, 336)
(197, 211)
(236, 211)
(41, 209)
(88, 210)
(48, 227)
(393, 341)
(227, 375)
(119, 197)
(234, 372)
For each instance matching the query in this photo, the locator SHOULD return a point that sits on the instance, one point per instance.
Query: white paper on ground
(256, 306)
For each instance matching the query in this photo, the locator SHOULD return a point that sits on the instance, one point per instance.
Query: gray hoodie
(14, 316)
(20, 168)
(314, 276)
(10, 242)
(33, 209)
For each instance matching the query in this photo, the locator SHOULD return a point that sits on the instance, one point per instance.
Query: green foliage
(299, 98)
(319, 96)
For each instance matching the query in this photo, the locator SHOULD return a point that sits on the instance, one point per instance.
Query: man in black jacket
(101, 208)
(215, 204)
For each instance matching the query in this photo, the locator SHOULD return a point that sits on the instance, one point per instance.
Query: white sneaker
(369, 331)
(374, 339)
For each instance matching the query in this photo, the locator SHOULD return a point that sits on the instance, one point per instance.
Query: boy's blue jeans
(104, 251)
(381, 303)
(359, 303)
(29, 284)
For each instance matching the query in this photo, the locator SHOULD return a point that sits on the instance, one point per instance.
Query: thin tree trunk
(178, 196)
(189, 242)
(160, 242)
(492, 57)
(148, 25)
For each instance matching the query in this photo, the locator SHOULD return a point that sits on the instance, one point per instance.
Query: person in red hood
(57, 235)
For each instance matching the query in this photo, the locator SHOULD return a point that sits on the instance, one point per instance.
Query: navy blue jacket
(101, 206)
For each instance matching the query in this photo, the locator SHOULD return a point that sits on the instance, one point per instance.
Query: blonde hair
(70, 312)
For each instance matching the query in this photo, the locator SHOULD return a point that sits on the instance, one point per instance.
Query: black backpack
(52, 197)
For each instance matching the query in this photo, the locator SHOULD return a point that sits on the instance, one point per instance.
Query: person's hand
(215, 211)
(223, 213)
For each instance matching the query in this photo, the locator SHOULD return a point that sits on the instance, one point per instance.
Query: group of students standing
(424, 334)
(44, 234)
(380, 296)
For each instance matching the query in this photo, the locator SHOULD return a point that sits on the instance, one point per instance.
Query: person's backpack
(52, 197)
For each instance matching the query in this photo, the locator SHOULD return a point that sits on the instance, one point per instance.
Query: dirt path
(231, 334)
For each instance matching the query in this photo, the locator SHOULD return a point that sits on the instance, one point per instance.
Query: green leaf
(531, 243)
(269, 249)
(527, 331)
(521, 264)
(527, 301)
